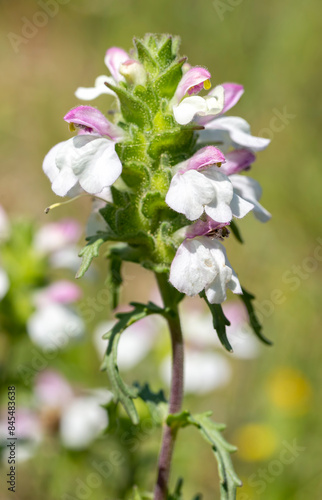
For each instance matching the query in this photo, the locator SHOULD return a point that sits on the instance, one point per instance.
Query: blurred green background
(274, 50)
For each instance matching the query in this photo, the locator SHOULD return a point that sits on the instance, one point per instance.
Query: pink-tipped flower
(187, 109)
(233, 92)
(59, 292)
(90, 120)
(114, 57)
(57, 235)
(238, 160)
(192, 82)
(133, 72)
(199, 186)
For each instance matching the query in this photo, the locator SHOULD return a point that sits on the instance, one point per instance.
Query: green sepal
(146, 58)
(152, 203)
(235, 230)
(135, 174)
(120, 198)
(166, 84)
(174, 142)
(219, 322)
(165, 53)
(91, 250)
(247, 299)
(121, 391)
(148, 96)
(133, 109)
(211, 432)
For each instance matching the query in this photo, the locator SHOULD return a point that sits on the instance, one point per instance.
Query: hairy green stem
(176, 391)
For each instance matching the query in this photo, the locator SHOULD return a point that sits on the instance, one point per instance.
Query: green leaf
(133, 109)
(211, 432)
(219, 321)
(155, 401)
(177, 494)
(145, 57)
(167, 83)
(115, 278)
(121, 391)
(247, 299)
(90, 251)
(235, 230)
(152, 203)
(165, 54)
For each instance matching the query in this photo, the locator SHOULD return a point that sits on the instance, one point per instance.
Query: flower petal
(205, 157)
(192, 82)
(233, 93)
(219, 207)
(251, 191)
(89, 93)
(91, 160)
(237, 160)
(238, 133)
(93, 121)
(114, 57)
(240, 207)
(188, 193)
(226, 278)
(193, 267)
(195, 106)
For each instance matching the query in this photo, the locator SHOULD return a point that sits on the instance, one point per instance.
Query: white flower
(231, 131)
(203, 371)
(114, 58)
(200, 264)
(4, 283)
(4, 225)
(250, 190)
(85, 162)
(54, 326)
(84, 420)
(199, 186)
(135, 343)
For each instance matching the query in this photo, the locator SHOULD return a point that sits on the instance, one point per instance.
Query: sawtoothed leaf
(247, 299)
(219, 322)
(211, 432)
(90, 251)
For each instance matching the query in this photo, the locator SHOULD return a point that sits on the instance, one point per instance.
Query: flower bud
(133, 72)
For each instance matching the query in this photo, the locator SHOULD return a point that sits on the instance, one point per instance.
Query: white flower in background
(81, 419)
(135, 342)
(84, 419)
(243, 341)
(28, 432)
(201, 263)
(54, 326)
(114, 58)
(199, 186)
(203, 371)
(96, 221)
(57, 235)
(4, 225)
(4, 283)
(186, 109)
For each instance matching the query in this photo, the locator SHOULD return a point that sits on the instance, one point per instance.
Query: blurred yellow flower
(255, 442)
(289, 390)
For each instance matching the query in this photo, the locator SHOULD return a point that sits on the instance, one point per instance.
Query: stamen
(207, 84)
(72, 127)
